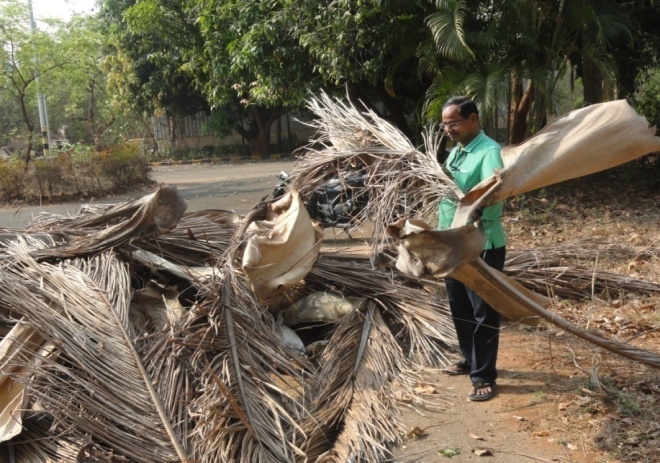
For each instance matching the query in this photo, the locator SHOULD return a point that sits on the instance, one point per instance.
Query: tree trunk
(260, 145)
(30, 129)
(279, 134)
(591, 78)
(171, 128)
(258, 135)
(519, 116)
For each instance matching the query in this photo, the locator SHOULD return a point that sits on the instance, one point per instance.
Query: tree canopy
(246, 63)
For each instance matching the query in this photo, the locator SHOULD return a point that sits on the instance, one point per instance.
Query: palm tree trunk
(519, 125)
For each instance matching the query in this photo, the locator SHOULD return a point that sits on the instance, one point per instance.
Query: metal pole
(41, 99)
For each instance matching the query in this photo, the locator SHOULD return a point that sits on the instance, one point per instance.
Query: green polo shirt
(468, 166)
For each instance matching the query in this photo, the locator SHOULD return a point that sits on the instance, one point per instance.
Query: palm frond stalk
(562, 269)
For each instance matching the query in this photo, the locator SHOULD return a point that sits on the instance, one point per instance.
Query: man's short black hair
(465, 106)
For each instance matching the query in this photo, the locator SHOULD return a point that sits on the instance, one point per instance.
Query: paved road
(236, 187)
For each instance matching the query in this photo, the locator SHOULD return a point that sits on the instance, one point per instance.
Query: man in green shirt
(474, 158)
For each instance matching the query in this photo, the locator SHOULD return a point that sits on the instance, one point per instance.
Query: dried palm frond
(40, 442)
(571, 282)
(248, 402)
(7, 237)
(563, 269)
(582, 250)
(98, 386)
(363, 374)
(198, 239)
(418, 315)
(151, 215)
(400, 180)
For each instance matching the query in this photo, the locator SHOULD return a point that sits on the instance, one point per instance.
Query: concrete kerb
(226, 160)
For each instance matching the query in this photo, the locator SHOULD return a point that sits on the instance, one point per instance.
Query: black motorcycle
(335, 203)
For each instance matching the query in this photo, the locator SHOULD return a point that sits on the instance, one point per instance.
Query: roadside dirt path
(532, 418)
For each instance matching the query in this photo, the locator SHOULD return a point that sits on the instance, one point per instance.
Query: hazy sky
(62, 9)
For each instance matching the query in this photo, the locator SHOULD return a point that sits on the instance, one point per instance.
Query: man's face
(458, 129)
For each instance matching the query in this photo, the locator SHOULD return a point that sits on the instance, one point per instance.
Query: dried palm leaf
(99, 385)
(354, 397)
(562, 269)
(419, 317)
(281, 249)
(400, 180)
(40, 442)
(244, 414)
(8, 237)
(572, 282)
(582, 142)
(198, 239)
(152, 214)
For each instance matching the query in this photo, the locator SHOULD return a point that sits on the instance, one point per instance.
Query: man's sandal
(459, 368)
(475, 396)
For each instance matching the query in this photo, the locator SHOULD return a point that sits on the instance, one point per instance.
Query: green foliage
(496, 54)
(151, 41)
(251, 55)
(373, 48)
(449, 452)
(123, 165)
(646, 100)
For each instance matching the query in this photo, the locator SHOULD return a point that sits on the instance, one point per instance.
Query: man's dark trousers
(477, 323)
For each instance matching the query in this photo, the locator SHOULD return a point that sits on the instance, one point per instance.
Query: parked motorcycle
(337, 202)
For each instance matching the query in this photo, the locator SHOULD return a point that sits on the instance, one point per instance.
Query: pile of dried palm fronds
(150, 344)
(139, 333)
(563, 271)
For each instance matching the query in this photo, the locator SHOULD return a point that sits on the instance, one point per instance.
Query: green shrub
(123, 166)
(183, 154)
(84, 170)
(49, 174)
(12, 180)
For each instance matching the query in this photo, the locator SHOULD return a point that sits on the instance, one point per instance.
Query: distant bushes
(74, 172)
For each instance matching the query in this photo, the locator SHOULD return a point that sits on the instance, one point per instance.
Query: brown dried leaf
(425, 389)
(416, 432)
